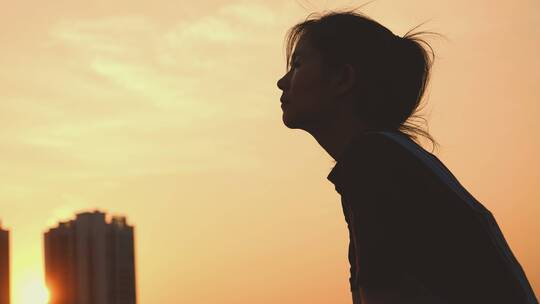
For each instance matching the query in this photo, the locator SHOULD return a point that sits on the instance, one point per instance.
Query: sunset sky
(168, 112)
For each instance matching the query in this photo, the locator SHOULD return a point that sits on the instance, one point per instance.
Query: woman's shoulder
(370, 154)
(382, 156)
(378, 147)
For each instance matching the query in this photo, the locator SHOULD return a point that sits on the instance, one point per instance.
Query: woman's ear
(345, 79)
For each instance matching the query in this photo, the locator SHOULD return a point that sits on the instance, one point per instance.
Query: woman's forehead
(303, 48)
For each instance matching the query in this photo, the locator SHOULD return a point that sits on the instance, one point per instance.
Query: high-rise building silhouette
(89, 260)
(4, 266)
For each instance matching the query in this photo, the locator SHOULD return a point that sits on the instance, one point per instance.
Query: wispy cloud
(116, 90)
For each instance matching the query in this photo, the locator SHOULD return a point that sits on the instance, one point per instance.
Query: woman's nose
(282, 83)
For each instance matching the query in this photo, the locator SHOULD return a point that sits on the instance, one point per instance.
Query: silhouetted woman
(416, 235)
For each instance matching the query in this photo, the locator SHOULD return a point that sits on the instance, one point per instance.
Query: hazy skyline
(90, 260)
(168, 112)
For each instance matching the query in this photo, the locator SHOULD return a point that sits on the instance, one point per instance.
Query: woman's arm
(375, 183)
(409, 291)
(390, 296)
(369, 183)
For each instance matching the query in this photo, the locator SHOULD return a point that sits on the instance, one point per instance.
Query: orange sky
(168, 112)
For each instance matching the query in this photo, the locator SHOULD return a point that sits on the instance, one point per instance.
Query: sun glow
(34, 291)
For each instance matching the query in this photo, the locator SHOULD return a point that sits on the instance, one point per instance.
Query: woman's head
(347, 56)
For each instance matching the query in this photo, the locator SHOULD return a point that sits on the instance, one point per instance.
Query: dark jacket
(407, 213)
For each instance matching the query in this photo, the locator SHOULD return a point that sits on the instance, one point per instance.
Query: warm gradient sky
(168, 112)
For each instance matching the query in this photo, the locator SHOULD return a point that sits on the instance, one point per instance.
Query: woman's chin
(288, 121)
(291, 122)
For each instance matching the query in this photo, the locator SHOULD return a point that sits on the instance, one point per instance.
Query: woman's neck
(335, 137)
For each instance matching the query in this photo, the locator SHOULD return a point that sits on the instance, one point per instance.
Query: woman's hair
(392, 71)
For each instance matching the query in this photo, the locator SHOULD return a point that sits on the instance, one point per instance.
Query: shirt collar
(334, 174)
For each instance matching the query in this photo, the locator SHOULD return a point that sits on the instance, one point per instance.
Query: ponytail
(414, 73)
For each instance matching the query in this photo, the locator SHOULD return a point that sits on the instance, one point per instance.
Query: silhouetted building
(4, 266)
(90, 261)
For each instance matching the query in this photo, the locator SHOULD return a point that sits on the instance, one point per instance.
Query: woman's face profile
(306, 101)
